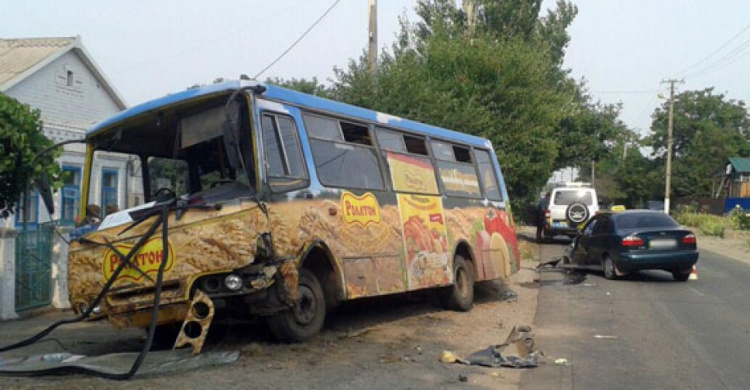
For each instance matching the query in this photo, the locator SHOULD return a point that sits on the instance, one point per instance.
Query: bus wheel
(460, 296)
(306, 318)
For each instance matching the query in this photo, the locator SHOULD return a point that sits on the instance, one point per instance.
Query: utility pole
(372, 51)
(670, 124)
(593, 173)
(468, 6)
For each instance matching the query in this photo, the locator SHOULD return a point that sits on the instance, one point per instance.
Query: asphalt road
(645, 332)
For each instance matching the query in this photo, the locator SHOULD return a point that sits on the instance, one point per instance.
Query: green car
(633, 240)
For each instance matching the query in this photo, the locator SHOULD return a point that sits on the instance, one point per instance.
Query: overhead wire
(729, 58)
(298, 39)
(715, 51)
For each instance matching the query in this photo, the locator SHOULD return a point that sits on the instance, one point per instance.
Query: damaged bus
(279, 204)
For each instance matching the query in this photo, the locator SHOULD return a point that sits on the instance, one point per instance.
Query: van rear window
(566, 197)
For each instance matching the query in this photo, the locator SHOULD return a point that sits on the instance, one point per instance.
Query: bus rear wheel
(460, 296)
(306, 318)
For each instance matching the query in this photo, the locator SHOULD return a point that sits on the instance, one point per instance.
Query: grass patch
(712, 225)
(528, 251)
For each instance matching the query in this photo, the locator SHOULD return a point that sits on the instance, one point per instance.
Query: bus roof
(294, 98)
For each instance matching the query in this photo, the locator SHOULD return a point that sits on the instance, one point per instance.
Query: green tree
(21, 140)
(707, 129)
(312, 87)
(500, 78)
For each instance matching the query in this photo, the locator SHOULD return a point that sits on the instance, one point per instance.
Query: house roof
(21, 58)
(740, 164)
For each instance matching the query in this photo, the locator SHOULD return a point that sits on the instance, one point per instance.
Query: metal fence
(33, 268)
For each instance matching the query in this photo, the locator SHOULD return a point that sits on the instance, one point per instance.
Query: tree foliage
(21, 140)
(708, 128)
(498, 76)
(312, 87)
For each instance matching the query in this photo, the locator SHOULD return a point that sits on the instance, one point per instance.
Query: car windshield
(566, 197)
(644, 220)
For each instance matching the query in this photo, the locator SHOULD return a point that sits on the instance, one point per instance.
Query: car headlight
(233, 282)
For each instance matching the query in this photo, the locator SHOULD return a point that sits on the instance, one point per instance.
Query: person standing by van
(541, 208)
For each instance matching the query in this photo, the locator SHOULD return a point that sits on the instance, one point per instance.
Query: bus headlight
(233, 282)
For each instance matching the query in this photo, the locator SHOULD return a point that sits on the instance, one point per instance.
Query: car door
(599, 241)
(583, 241)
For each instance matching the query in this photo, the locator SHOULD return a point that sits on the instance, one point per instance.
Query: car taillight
(632, 241)
(689, 239)
(546, 213)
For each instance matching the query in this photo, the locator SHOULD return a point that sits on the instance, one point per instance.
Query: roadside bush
(712, 225)
(740, 218)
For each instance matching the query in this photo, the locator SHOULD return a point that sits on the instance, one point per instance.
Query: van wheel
(306, 318)
(577, 213)
(460, 296)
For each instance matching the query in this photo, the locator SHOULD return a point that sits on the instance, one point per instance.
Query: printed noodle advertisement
(412, 174)
(425, 240)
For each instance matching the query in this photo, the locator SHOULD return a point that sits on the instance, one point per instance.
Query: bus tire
(306, 318)
(460, 296)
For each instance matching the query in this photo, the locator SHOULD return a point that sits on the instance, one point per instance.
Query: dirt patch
(389, 342)
(736, 246)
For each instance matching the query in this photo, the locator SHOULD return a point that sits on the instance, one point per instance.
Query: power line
(723, 61)
(624, 92)
(716, 51)
(298, 40)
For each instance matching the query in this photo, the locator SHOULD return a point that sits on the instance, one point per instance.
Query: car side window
(604, 226)
(589, 229)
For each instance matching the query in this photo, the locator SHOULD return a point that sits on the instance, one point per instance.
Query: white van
(570, 206)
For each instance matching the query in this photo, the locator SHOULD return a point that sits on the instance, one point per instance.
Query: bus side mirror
(46, 192)
(230, 145)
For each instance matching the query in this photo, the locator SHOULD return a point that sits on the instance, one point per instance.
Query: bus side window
(458, 175)
(487, 173)
(407, 162)
(285, 167)
(344, 154)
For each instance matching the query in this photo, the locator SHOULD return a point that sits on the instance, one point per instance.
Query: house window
(109, 191)
(71, 193)
(69, 78)
(33, 217)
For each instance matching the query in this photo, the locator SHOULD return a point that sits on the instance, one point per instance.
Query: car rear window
(644, 220)
(566, 197)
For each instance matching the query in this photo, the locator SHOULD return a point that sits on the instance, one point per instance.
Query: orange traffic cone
(693, 274)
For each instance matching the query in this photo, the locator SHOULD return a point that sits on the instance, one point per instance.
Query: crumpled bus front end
(214, 251)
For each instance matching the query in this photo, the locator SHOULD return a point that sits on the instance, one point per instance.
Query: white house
(60, 78)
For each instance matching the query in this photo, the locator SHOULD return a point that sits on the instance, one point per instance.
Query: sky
(623, 49)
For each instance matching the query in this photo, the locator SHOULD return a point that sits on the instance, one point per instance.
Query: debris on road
(157, 362)
(606, 337)
(520, 337)
(561, 361)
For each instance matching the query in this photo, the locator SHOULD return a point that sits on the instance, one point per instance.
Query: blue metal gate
(33, 268)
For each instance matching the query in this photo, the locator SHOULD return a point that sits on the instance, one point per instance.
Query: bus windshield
(177, 155)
